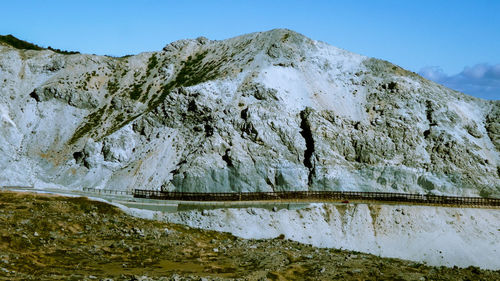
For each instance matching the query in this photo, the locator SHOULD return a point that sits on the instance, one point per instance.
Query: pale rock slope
(434, 235)
(259, 112)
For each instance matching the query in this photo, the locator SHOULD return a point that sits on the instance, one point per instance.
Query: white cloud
(434, 73)
(480, 80)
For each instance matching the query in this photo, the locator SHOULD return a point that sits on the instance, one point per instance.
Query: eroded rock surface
(259, 112)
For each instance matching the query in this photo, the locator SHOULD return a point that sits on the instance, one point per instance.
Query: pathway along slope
(323, 196)
(447, 235)
(436, 235)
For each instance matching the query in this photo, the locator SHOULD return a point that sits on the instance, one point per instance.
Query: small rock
(175, 277)
(377, 122)
(275, 209)
(216, 250)
(35, 234)
(204, 213)
(414, 265)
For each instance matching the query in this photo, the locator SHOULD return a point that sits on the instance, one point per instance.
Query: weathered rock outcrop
(259, 112)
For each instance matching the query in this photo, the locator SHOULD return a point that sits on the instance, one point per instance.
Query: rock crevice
(307, 134)
(259, 112)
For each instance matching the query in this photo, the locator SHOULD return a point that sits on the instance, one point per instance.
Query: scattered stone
(167, 232)
(217, 253)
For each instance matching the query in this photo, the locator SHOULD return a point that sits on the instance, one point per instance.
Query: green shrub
(18, 44)
(64, 52)
(153, 61)
(91, 121)
(113, 86)
(136, 92)
(24, 45)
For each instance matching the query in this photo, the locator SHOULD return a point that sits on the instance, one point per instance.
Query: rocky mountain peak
(264, 111)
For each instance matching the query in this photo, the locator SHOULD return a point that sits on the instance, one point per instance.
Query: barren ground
(45, 237)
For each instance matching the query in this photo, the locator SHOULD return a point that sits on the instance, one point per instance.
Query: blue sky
(445, 36)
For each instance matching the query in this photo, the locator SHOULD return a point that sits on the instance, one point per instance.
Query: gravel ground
(46, 237)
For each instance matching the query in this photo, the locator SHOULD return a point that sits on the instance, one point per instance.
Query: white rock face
(259, 112)
(437, 236)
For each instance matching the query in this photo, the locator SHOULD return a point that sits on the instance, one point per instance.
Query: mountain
(259, 112)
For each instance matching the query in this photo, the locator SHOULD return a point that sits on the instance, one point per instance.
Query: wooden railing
(319, 196)
(107, 191)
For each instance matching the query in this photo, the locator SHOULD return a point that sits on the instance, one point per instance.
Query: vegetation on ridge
(92, 120)
(18, 44)
(24, 45)
(193, 72)
(153, 61)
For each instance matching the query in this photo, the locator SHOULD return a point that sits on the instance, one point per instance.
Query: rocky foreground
(45, 237)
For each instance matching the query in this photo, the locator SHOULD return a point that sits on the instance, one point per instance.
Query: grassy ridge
(24, 45)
